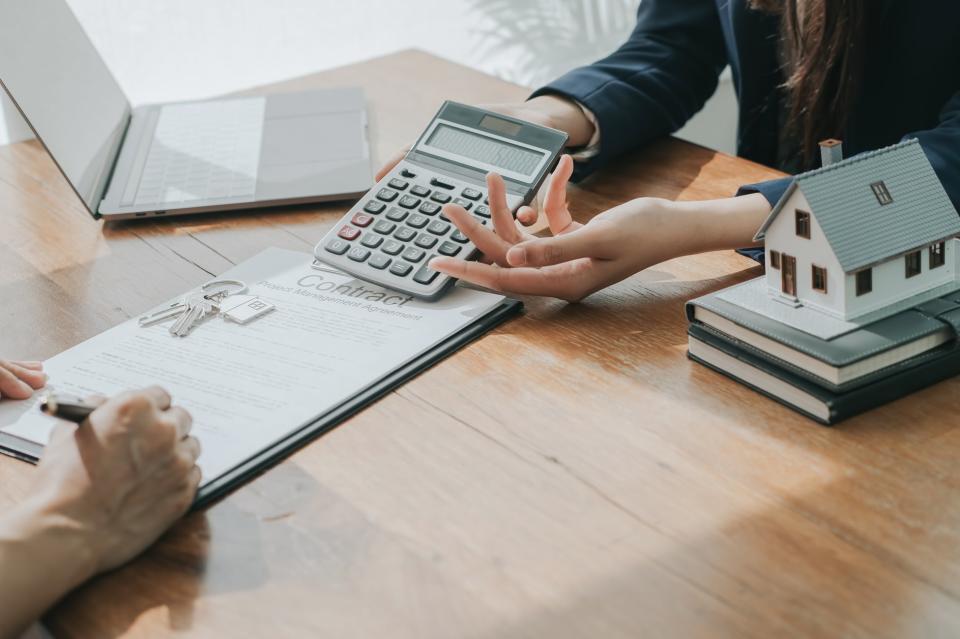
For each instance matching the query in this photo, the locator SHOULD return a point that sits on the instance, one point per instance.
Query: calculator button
(438, 228)
(409, 202)
(358, 254)
(383, 227)
(482, 211)
(425, 275)
(442, 184)
(404, 234)
(429, 208)
(442, 198)
(472, 194)
(462, 202)
(371, 241)
(361, 220)
(379, 261)
(413, 255)
(397, 215)
(407, 173)
(392, 247)
(458, 236)
(420, 191)
(387, 195)
(338, 247)
(349, 233)
(400, 268)
(374, 207)
(449, 249)
(398, 184)
(418, 221)
(426, 241)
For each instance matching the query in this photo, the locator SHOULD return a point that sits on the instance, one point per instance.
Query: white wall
(186, 49)
(891, 285)
(782, 236)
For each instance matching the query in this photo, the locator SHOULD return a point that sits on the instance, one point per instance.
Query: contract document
(330, 340)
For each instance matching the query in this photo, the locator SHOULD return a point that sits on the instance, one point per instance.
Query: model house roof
(876, 205)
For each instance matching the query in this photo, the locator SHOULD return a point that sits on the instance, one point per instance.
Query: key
(198, 307)
(398, 184)
(409, 202)
(420, 191)
(459, 201)
(472, 194)
(442, 198)
(387, 195)
(374, 207)
(429, 208)
(173, 310)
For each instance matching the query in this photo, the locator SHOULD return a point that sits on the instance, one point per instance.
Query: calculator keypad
(399, 226)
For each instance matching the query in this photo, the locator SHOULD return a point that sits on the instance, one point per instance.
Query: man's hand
(123, 476)
(18, 380)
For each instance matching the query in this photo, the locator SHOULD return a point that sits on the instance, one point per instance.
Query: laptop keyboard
(203, 151)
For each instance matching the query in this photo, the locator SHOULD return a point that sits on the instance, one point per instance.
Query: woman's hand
(578, 260)
(18, 380)
(582, 258)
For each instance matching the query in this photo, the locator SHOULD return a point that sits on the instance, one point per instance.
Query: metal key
(174, 310)
(198, 307)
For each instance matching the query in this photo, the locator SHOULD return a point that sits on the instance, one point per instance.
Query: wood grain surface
(571, 474)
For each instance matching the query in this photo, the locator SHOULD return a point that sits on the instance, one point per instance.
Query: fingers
(191, 447)
(489, 243)
(181, 419)
(160, 398)
(555, 203)
(503, 222)
(516, 281)
(392, 162)
(11, 386)
(587, 241)
(34, 366)
(95, 400)
(527, 215)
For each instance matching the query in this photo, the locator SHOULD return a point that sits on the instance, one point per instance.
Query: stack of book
(839, 372)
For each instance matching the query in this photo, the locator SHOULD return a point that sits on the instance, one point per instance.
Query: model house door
(788, 275)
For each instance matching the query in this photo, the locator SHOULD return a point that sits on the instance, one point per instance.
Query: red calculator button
(362, 220)
(349, 233)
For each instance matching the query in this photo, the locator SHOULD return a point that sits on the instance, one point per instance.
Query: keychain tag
(244, 308)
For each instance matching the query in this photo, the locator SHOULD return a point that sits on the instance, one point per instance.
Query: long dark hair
(822, 46)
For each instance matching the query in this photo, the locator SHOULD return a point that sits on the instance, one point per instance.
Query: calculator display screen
(490, 151)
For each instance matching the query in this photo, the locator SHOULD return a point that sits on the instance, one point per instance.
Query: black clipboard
(275, 453)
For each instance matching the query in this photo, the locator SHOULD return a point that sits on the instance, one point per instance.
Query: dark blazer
(669, 67)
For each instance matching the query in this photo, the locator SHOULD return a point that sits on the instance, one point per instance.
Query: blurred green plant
(534, 41)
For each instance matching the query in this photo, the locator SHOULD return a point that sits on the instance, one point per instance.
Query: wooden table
(571, 474)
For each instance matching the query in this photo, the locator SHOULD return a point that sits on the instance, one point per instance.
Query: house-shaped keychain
(861, 234)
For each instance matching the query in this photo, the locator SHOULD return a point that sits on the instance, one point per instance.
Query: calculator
(390, 235)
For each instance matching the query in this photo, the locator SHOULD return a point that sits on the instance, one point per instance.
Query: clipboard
(327, 421)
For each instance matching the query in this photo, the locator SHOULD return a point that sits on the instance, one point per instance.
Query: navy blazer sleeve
(940, 143)
(655, 82)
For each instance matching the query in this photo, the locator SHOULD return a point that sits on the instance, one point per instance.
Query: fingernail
(517, 256)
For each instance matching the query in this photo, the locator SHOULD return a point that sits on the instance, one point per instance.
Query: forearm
(42, 557)
(564, 115)
(715, 225)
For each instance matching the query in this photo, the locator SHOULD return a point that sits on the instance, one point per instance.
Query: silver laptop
(179, 158)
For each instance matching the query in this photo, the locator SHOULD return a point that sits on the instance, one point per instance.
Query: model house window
(775, 259)
(938, 255)
(883, 195)
(819, 279)
(912, 264)
(864, 281)
(803, 224)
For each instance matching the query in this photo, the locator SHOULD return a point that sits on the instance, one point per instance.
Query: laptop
(173, 159)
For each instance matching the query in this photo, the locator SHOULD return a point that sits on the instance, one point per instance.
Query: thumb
(584, 242)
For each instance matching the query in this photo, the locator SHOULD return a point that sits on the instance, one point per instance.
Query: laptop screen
(54, 74)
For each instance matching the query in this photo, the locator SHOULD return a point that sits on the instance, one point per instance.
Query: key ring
(222, 288)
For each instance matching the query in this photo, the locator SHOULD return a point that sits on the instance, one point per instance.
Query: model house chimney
(831, 152)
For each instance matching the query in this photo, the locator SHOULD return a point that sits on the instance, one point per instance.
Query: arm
(652, 84)
(104, 491)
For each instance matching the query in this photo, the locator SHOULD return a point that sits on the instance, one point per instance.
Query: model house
(861, 234)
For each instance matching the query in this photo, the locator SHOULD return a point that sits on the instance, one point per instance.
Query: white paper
(248, 386)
